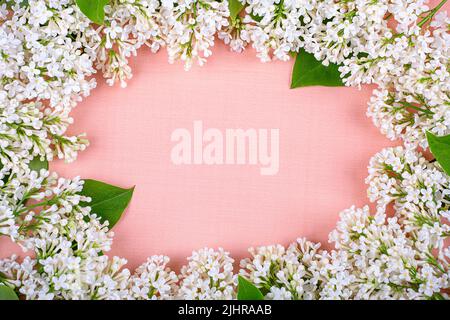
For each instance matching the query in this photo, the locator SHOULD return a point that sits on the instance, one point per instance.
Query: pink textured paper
(326, 141)
(325, 145)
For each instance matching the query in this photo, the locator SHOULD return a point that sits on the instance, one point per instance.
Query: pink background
(325, 144)
(326, 141)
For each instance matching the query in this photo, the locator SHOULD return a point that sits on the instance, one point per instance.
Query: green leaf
(308, 71)
(440, 148)
(93, 9)
(247, 291)
(235, 7)
(255, 17)
(11, 3)
(436, 296)
(6, 293)
(108, 202)
(37, 164)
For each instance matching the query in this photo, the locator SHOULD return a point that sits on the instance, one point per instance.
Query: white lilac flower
(8, 225)
(208, 276)
(55, 211)
(405, 12)
(413, 60)
(411, 69)
(232, 35)
(61, 274)
(46, 64)
(276, 27)
(9, 272)
(192, 28)
(297, 272)
(103, 278)
(47, 53)
(45, 217)
(153, 280)
(129, 24)
(4, 11)
(385, 260)
(419, 191)
(259, 268)
(340, 29)
(409, 116)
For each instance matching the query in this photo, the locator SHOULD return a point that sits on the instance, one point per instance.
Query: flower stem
(36, 205)
(430, 15)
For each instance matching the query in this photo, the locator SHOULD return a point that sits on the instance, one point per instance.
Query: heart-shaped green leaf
(108, 202)
(308, 71)
(247, 291)
(93, 9)
(440, 148)
(6, 293)
(235, 7)
(37, 164)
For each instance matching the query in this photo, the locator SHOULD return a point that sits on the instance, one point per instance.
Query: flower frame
(49, 51)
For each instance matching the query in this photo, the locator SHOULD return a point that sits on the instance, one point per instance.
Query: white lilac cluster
(420, 193)
(154, 280)
(46, 60)
(406, 255)
(193, 25)
(331, 30)
(235, 34)
(208, 276)
(60, 274)
(186, 27)
(41, 205)
(298, 272)
(46, 53)
(276, 27)
(129, 24)
(341, 28)
(385, 260)
(410, 67)
(46, 216)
